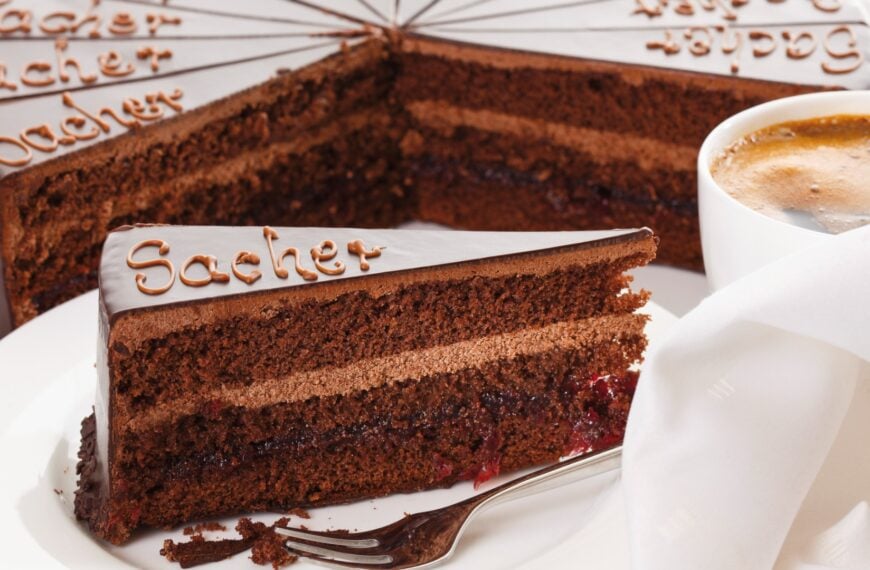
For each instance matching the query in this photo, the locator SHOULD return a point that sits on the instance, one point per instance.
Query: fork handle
(567, 471)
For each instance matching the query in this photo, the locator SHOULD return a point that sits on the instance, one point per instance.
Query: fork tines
(334, 548)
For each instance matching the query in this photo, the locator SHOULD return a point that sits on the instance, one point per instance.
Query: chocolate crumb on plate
(299, 512)
(265, 545)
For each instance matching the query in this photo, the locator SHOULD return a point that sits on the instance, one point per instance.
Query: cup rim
(735, 127)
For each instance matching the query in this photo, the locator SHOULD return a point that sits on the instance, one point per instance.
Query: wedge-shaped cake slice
(249, 368)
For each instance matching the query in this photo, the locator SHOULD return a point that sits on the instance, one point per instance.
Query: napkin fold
(737, 410)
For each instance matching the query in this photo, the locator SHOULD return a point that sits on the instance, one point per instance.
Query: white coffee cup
(736, 239)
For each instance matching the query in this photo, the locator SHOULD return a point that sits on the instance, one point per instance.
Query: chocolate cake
(255, 368)
(524, 115)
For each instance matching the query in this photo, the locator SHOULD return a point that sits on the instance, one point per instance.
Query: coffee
(813, 173)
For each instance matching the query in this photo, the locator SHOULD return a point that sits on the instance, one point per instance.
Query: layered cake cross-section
(253, 368)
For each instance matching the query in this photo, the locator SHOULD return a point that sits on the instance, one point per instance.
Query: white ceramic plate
(47, 384)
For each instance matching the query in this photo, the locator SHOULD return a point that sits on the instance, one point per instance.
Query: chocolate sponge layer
(414, 434)
(315, 333)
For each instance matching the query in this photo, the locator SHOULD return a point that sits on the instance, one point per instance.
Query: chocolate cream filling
(605, 334)
(579, 92)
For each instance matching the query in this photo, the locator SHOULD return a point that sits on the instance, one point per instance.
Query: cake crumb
(267, 547)
(299, 512)
(202, 527)
(58, 492)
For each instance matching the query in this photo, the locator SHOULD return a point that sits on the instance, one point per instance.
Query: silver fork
(426, 539)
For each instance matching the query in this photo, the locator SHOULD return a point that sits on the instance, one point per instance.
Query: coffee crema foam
(813, 173)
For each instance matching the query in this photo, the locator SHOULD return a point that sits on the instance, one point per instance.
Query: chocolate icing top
(400, 250)
(127, 56)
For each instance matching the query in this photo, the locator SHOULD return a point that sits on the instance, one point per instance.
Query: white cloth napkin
(736, 414)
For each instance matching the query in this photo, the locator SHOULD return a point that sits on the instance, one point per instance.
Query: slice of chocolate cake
(252, 368)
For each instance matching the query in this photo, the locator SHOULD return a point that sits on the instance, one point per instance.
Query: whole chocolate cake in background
(521, 114)
(250, 368)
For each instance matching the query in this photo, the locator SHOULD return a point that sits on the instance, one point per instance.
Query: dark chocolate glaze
(402, 251)
(89, 496)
